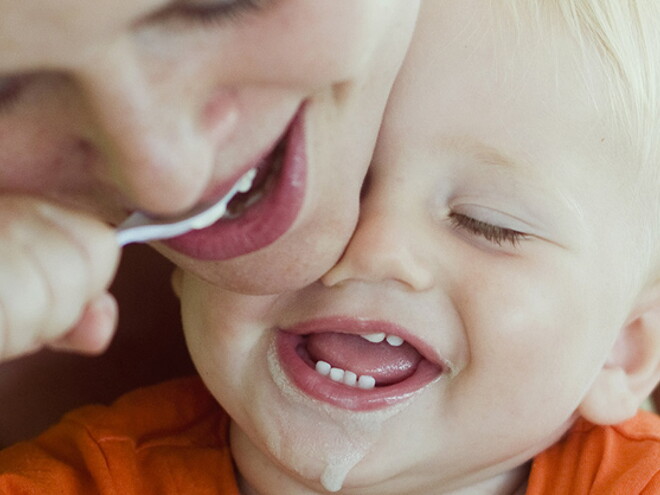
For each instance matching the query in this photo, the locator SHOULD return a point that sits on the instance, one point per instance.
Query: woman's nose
(158, 148)
(386, 246)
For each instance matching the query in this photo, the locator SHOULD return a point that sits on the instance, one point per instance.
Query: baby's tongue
(386, 363)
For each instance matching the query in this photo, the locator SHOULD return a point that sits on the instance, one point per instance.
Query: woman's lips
(295, 362)
(265, 221)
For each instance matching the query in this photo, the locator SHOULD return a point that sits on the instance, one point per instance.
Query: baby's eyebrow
(469, 145)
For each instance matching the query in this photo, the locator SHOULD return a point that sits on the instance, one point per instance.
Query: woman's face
(159, 105)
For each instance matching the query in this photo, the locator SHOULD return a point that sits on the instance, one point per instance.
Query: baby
(501, 288)
(492, 326)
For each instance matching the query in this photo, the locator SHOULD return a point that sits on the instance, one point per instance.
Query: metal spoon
(138, 227)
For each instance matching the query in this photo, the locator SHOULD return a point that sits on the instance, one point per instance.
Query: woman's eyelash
(492, 233)
(220, 11)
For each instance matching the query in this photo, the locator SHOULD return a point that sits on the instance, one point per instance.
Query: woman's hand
(55, 267)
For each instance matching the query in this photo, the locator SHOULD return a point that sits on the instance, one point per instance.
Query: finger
(94, 332)
(24, 299)
(76, 265)
(52, 262)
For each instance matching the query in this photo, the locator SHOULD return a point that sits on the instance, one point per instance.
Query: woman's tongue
(386, 363)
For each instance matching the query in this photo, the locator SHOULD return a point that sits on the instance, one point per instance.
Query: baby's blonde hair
(626, 34)
(626, 37)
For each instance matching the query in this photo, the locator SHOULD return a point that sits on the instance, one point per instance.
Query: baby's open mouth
(358, 372)
(364, 361)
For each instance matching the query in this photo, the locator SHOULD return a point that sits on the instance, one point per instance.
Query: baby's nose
(383, 248)
(156, 148)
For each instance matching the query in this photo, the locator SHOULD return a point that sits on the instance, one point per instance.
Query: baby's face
(158, 105)
(495, 238)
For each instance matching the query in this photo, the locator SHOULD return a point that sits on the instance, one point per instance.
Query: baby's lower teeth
(349, 378)
(336, 374)
(323, 368)
(366, 382)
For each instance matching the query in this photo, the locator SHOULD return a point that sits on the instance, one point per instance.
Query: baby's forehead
(599, 56)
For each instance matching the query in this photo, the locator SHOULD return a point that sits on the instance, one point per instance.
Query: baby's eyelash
(492, 233)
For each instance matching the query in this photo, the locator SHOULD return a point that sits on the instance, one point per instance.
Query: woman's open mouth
(356, 371)
(261, 214)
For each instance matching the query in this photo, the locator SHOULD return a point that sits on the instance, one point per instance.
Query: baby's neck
(520, 489)
(260, 476)
(246, 489)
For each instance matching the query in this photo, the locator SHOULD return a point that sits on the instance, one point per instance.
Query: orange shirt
(163, 440)
(172, 439)
(614, 460)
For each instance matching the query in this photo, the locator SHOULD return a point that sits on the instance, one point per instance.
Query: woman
(159, 106)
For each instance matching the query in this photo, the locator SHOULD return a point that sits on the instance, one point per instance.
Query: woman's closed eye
(492, 233)
(214, 10)
(195, 11)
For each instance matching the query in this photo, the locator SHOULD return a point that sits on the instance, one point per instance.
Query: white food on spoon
(138, 227)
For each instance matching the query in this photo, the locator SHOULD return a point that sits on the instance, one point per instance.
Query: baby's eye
(492, 233)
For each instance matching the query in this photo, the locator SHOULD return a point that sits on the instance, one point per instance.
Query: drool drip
(341, 438)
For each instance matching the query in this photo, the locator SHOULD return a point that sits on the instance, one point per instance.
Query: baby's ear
(632, 370)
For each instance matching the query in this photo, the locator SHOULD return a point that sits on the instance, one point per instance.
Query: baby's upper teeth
(346, 377)
(394, 340)
(376, 338)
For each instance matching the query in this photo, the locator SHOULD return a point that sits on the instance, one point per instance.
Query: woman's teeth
(213, 214)
(265, 174)
(245, 182)
(139, 227)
